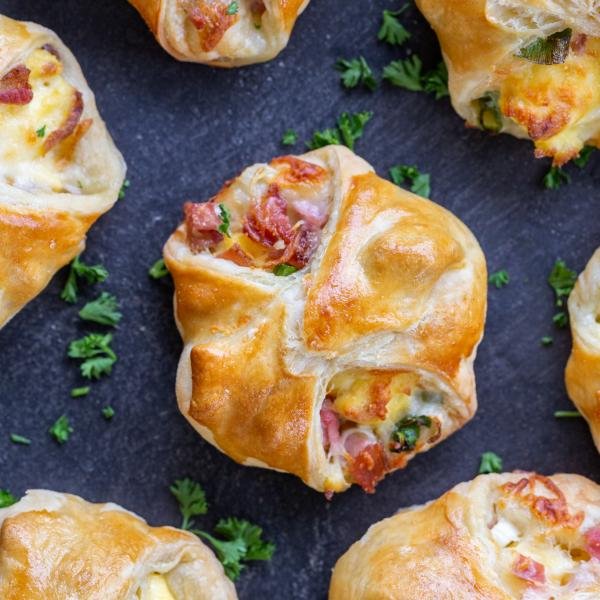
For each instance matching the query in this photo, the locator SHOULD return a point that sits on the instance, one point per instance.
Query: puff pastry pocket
(515, 536)
(530, 68)
(583, 369)
(59, 546)
(222, 33)
(59, 169)
(330, 319)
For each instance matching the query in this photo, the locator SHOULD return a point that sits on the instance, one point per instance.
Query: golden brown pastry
(583, 369)
(516, 536)
(330, 319)
(58, 546)
(530, 68)
(59, 169)
(222, 33)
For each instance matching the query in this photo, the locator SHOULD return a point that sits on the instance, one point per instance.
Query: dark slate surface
(184, 129)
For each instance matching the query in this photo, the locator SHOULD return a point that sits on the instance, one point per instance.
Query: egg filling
(373, 421)
(40, 121)
(156, 589)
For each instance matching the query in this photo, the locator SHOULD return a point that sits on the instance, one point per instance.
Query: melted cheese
(23, 161)
(158, 589)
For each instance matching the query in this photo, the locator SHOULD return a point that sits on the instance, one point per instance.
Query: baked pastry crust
(204, 31)
(58, 545)
(557, 105)
(42, 230)
(583, 369)
(396, 284)
(498, 537)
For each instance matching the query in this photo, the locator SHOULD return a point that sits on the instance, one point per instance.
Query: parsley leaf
(283, 270)
(350, 128)
(108, 412)
(547, 340)
(242, 542)
(499, 278)
(567, 414)
(436, 81)
(191, 499)
(158, 270)
(98, 357)
(289, 138)
(356, 72)
(584, 156)
(420, 183)
(15, 438)
(405, 73)
(407, 432)
(41, 132)
(61, 430)
(233, 8)
(103, 310)
(490, 463)
(225, 217)
(562, 280)
(79, 392)
(555, 178)
(124, 188)
(79, 270)
(324, 138)
(6, 499)
(392, 31)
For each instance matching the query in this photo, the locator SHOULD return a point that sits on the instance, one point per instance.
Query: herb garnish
(97, 355)
(584, 156)
(233, 8)
(552, 50)
(420, 183)
(436, 81)
(6, 499)
(124, 188)
(350, 128)
(79, 392)
(490, 463)
(567, 414)
(356, 72)
(191, 499)
(79, 270)
(158, 270)
(103, 310)
(108, 412)
(289, 138)
(15, 438)
(225, 217)
(61, 430)
(283, 270)
(555, 178)
(490, 116)
(561, 280)
(41, 132)
(499, 278)
(407, 74)
(407, 432)
(547, 340)
(392, 31)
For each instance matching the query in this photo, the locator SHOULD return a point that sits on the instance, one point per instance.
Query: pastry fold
(551, 97)
(221, 33)
(59, 169)
(363, 356)
(55, 545)
(583, 369)
(514, 536)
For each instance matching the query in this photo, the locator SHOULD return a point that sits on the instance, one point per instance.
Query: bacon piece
(592, 541)
(330, 425)
(368, 468)
(313, 213)
(15, 87)
(529, 570)
(69, 125)
(295, 170)
(301, 248)
(202, 222)
(266, 221)
(211, 20)
(236, 255)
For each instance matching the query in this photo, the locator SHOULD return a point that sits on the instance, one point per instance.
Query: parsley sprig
(191, 499)
(499, 279)
(158, 270)
(61, 430)
(392, 31)
(490, 463)
(289, 138)
(561, 280)
(355, 72)
(408, 74)
(225, 217)
(420, 183)
(80, 271)
(350, 128)
(103, 310)
(97, 355)
(6, 499)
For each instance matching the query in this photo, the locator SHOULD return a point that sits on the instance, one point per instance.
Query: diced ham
(368, 468)
(313, 213)
(211, 19)
(202, 223)
(301, 248)
(69, 125)
(330, 425)
(592, 541)
(15, 87)
(267, 221)
(356, 442)
(529, 570)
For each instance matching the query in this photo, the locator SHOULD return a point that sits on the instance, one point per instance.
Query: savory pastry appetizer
(59, 169)
(222, 33)
(583, 369)
(330, 319)
(515, 536)
(59, 546)
(530, 68)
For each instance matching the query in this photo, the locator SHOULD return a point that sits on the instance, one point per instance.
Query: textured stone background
(184, 129)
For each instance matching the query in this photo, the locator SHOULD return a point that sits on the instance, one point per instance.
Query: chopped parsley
(79, 392)
(499, 278)
(79, 270)
(97, 355)
(552, 50)
(584, 156)
(158, 270)
(103, 310)
(41, 132)
(407, 432)
(225, 217)
(289, 138)
(108, 412)
(555, 178)
(420, 183)
(567, 414)
(392, 31)
(561, 319)
(436, 81)
(191, 499)
(405, 73)
(350, 128)
(283, 270)
(561, 280)
(15, 438)
(547, 340)
(356, 72)
(490, 463)
(233, 8)
(61, 430)
(6, 499)
(124, 188)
